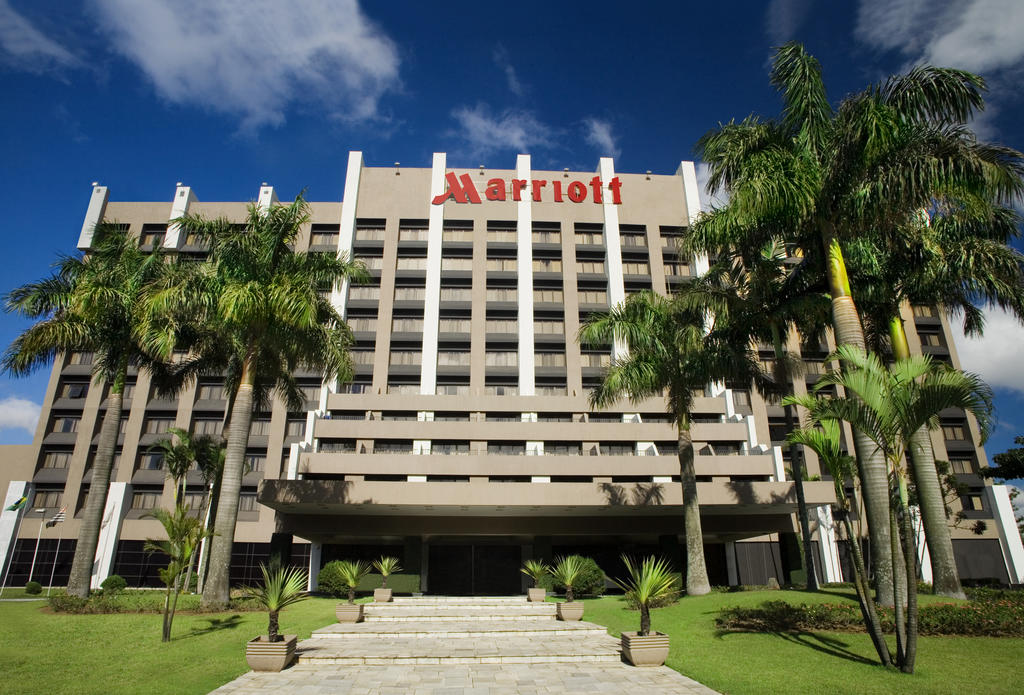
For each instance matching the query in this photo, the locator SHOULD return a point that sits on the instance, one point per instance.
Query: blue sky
(141, 94)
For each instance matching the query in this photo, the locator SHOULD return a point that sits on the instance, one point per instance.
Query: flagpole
(14, 547)
(38, 536)
(54, 569)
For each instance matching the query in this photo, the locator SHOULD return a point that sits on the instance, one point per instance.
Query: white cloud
(19, 413)
(599, 134)
(255, 58)
(708, 200)
(503, 62)
(976, 35)
(783, 18)
(484, 133)
(25, 47)
(996, 357)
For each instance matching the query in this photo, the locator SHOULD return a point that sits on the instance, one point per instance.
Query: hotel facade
(465, 443)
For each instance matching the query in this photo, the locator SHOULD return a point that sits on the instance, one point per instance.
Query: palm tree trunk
(645, 620)
(92, 517)
(900, 583)
(697, 583)
(945, 577)
(272, 627)
(204, 549)
(870, 462)
(165, 635)
(910, 654)
(797, 457)
(216, 590)
(867, 606)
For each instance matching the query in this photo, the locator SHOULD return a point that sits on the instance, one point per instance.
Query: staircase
(459, 630)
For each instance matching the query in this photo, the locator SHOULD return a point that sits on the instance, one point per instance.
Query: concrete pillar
(93, 215)
(730, 563)
(118, 502)
(315, 550)
(10, 521)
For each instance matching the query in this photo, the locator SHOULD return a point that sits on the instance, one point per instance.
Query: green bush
(589, 583)
(982, 593)
(989, 618)
(329, 582)
(33, 588)
(134, 601)
(114, 584)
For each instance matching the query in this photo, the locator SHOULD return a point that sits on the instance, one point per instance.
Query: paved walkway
(451, 645)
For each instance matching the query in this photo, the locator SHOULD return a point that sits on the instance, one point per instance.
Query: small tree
(535, 570)
(352, 572)
(649, 584)
(282, 587)
(566, 571)
(386, 566)
(184, 533)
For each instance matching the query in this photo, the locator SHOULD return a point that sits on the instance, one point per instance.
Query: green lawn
(813, 662)
(41, 652)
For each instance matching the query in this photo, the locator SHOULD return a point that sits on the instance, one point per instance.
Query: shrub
(65, 603)
(589, 582)
(114, 584)
(991, 618)
(33, 588)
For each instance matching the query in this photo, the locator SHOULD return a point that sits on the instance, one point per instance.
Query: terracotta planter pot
(349, 612)
(381, 595)
(262, 655)
(536, 594)
(651, 650)
(570, 611)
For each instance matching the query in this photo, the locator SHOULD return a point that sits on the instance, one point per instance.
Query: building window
(356, 387)
(923, 311)
(372, 262)
(547, 265)
(930, 339)
(48, 497)
(152, 461)
(636, 268)
(450, 448)
(452, 389)
(145, 499)
(961, 465)
(157, 425)
(410, 234)
(405, 357)
(364, 292)
(504, 358)
(677, 270)
(407, 325)
(152, 235)
(593, 297)
(247, 502)
(456, 263)
(502, 236)
(549, 359)
(369, 234)
(56, 459)
(506, 448)
(595, 267)
(211, 391)
(295, 427)
(65, 423)
(955, 433)
(324, 235)
(207, 425)
(80, 358)
(589, 238)
(510, 326)
(392, 446)
(259, 427)
(973, 501)
(501, 294)
(74, 389)
(548, 327)
(548, 296)
(450, 325)
(501, 390)
(411, 263)
(363, 324)
(456, 294)
(457, 235)
(410, 294)
(501, 264)
(453, 358)
(547, 236)
(255, 463)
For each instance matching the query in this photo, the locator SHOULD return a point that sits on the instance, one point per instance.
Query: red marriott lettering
(461, 189)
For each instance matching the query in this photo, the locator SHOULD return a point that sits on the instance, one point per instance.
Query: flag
(57, 518)
(18, 505)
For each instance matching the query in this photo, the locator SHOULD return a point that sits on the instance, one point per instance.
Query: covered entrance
(477, 569)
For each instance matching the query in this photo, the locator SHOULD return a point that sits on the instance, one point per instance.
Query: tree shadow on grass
(821, 643)
(214, 625)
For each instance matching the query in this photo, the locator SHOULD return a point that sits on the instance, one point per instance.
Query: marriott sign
(461, 189)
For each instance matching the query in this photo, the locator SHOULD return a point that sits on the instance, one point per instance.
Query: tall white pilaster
(183, 198)
(266, 198)
(613, 246)
(110, 532)
(432, 302)
(314, 564)
(693, 208)
(1009, 537)
(524, 280)
(11, 520)
(93, 215)
(828, 548)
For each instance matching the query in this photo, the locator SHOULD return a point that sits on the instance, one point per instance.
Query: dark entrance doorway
(474, 570)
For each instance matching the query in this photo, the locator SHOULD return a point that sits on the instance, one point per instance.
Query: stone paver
(485, 679)
(462, 646)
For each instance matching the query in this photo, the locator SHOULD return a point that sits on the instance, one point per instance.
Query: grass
(826, 662)
(50, 653)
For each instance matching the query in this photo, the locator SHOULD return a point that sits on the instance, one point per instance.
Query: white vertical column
(524, 279)
(314, 564)
(693, 207)
(828, 548)
(93, 215)
(11, 520)
(432, 302)
(1009, 537)
(924, 558)
(613, 246)
(266, 198)
(110, 532)
(183, 198)
(730, 563)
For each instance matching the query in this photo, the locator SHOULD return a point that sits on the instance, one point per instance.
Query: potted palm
(282, 587)
(386, 566)
(535, 570)
(352, 572)
(650, 584)
(565, 572)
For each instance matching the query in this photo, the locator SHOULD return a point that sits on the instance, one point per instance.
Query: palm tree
(890, 405)
(184, 534)
(765, 301)
(821, 176)
(178, 458)
(91, 303)
(675, 350)
(824, 439)
(282, 587)
(257, 312)
(957, 258)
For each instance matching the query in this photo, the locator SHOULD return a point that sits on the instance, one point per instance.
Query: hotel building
(465, 443)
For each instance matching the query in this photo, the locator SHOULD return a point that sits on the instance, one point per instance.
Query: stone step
(386, 612)
(448, 600)
(501, 649)
(457, 630)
